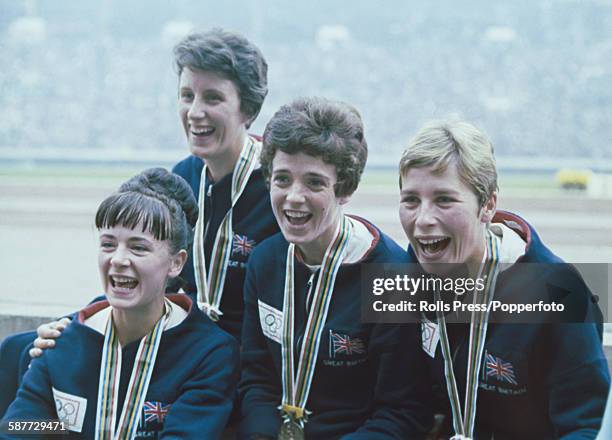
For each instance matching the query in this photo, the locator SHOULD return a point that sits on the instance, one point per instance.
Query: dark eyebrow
(210, 90)
(139, 240)
(317, 175)
(309, 174)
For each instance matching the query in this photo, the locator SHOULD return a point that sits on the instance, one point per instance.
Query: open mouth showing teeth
(297, 217)
(434, 245)
(202, 131)
(123, 282)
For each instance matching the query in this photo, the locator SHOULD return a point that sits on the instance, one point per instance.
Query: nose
(120, 258)
(425, 216)
(295, 193)
(197, 110)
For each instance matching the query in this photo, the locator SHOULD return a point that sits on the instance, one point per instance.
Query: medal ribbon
(210, 285)
(108, 385)
(297, 387)
(464, 425)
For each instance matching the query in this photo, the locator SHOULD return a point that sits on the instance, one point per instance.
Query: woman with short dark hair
(139, 363)
(310, 368)
(222, 85)
(230, 55)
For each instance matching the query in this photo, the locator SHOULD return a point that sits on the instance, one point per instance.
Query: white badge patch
(271, 321)
(430, 336)
(70, 409)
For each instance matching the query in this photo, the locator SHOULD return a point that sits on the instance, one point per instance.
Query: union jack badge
(500, 369)
(155, 411)
(242, 245)
(344, 344)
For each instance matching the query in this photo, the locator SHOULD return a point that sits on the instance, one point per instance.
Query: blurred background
(88, 98)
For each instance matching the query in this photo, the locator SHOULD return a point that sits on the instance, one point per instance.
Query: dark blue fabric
(14, 360)
(377, 392)
(560, 370)
(196, 372)
(252, 220)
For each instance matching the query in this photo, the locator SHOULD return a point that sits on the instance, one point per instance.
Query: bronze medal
(291, 430)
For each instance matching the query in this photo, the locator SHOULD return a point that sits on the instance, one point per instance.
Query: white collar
(512, 246)
(359, 243)
(98, 320)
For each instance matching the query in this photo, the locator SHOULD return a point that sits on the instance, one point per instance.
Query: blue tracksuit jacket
(252, 222)
(191, 389)
(538, 381)
(368, 382)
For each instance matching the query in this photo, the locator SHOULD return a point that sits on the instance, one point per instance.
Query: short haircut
(441, 143)
(161, 201)
(331, 130)
(231, 56)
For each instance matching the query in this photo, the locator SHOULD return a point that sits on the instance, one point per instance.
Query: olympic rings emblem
(65, 409)
(272, 322)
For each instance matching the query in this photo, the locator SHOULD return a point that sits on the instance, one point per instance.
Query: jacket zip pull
(309, 291)
(298, 345)
(209, 208)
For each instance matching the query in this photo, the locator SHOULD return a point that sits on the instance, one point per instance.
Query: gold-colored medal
(296, 384)
(291, 430)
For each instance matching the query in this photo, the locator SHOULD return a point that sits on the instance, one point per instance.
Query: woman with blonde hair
(498, 380)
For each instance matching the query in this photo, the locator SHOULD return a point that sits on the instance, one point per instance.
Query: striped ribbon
(464, 425)
(210, 285)
(296, 387)
(108, 385)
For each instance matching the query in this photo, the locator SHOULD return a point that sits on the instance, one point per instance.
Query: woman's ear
(177, 263)
(489, 208)
(343, 200)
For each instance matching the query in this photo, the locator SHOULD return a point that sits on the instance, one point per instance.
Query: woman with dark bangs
(138, 364)
(222, 84)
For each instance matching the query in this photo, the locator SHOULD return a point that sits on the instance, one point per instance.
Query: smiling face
(304, 202)
(442, 217)
(209, 109)
(134, 267)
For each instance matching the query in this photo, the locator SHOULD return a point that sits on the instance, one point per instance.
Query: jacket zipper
(300, 338)
(309, 291)
(209, 220)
